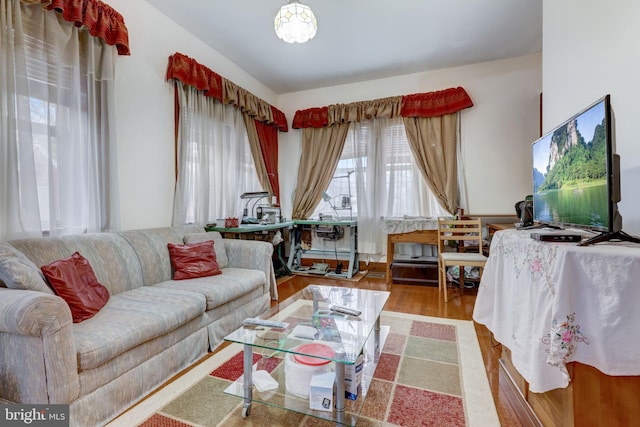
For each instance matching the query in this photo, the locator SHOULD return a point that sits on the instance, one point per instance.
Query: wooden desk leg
(390, 252)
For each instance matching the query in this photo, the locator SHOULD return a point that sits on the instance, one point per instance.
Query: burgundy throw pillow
(73, 280)
(193, 260)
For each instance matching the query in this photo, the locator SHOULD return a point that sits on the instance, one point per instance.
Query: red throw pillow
(193, 260)
(73, 280)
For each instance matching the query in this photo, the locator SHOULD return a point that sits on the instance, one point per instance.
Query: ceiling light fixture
(295, 23)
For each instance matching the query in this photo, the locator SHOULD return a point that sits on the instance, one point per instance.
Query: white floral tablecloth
(554, 303)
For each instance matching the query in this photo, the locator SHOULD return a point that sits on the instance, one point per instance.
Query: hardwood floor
(424, 300)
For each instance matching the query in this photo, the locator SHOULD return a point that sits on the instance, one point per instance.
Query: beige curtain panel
(433, 143)
(321, 150)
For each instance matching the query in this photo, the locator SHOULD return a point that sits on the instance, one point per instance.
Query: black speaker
(524, 211)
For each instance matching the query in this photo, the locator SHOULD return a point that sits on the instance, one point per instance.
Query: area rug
(430, 373)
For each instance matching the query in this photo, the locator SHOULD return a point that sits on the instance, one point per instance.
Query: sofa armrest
(37, 351)
(256, 255)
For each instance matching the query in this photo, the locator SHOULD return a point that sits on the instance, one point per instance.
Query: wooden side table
(493, 227)
(426, 237)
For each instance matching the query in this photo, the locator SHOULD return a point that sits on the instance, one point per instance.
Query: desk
(244, 231)
(411, 230)
(557, 307)
(295, 251)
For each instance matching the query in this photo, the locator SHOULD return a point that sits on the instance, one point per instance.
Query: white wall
(591, 48)
(144, 107)
(497, 131)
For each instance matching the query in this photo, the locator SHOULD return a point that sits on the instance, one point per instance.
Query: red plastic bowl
(316, 349)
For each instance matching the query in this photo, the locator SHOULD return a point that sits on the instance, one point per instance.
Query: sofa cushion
(18, 272)
(73, 280)
(112, 258)
(132, 318)
(218, 245)
(150, 246)
(219, 290)
(193, 260)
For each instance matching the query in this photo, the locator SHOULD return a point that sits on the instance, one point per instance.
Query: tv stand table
(561, 310)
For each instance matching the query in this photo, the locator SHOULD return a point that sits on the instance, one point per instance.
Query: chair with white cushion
(465, 231)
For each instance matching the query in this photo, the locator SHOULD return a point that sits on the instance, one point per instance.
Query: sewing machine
(268, 214)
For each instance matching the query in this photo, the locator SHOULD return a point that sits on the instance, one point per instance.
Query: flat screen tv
(576, 180)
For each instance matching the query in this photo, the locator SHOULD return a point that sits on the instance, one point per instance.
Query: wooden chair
(458, 231)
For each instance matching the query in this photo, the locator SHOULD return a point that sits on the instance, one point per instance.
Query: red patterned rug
(430, 373)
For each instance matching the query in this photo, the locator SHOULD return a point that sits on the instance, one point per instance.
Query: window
(219, 205)
(58, 128)
(215, 164)
(377, 162)
(44, 149)
(385, 183)
(48, 87)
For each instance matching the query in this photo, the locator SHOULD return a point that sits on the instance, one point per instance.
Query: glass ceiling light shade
(295, 23)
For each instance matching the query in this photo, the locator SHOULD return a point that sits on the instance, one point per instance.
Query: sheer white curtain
(214, 160)
(57, 129)
(388, 182)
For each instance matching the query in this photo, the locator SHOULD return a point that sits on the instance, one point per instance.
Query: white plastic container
(298, 375)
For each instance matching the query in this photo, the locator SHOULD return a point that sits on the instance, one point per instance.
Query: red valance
(429, 104)
(311, 118)
(100, 19)
(433, 104)
(280, 119)
(192, 73)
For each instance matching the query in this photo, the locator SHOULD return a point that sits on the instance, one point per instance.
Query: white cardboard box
(321, 392)
(353, 379)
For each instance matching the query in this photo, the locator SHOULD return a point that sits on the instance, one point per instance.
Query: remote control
(346, 310)
(254, 321)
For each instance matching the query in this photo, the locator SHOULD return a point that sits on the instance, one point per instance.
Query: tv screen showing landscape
(570, 166)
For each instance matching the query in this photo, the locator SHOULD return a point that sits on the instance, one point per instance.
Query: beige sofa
(151, 328)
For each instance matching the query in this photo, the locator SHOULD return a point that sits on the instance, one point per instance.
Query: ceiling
(360, 40)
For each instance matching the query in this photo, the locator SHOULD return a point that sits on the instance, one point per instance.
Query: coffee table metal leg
(340, 393)
(248, 380)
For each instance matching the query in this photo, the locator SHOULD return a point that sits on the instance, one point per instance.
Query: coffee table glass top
(310, 319)
(311, 322)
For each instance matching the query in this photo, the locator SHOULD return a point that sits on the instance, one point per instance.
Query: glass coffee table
(312, 323)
